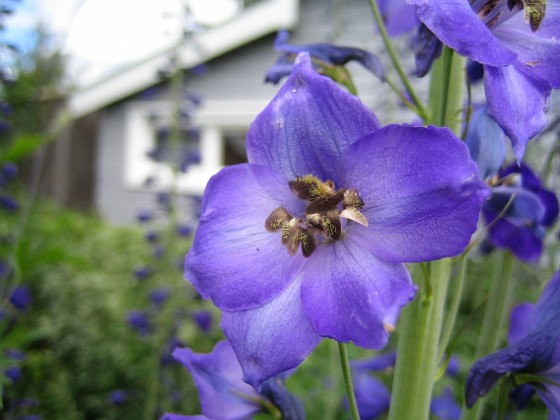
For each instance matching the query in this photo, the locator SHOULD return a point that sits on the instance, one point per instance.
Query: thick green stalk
(494, 317)
(421, 322)
(418, 349)
(348, 381)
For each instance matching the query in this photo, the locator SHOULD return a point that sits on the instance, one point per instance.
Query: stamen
(321, 218)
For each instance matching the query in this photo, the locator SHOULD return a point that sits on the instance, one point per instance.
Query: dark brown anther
(308, 244)
(277, 219)
(325, 203)
(290, 235)
(327, 222)
(352, 199)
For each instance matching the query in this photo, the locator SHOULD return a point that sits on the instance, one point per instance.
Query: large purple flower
(519, 49)
(534, 349)
(308, 240)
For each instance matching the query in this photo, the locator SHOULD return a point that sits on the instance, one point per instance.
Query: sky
(100, 35)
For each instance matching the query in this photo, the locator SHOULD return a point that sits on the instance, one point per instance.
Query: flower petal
(308, 125)
(459, 27)
(517, 102)
(422, 192)
(520, 322)
(486, 143)
(217, 376)
(233, 259)
(349, 294)
(539, 51)
(272, 338)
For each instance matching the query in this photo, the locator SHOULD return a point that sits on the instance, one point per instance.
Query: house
(115, 156)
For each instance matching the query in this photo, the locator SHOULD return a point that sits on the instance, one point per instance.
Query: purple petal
(486, 143)
(233, 259)
(171, 416)
(422, 192)
(272, 338)
(456, 25)
(445, 407)
(308, 125)
(520, 322)
(517, 102)
(349, 294)
(539, 51)
(399, 16)
(217, 376)
(372, 396)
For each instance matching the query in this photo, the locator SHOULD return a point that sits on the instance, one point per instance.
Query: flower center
(326, 205)
(493, 12)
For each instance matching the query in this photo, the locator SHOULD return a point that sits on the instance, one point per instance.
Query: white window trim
(212, 119)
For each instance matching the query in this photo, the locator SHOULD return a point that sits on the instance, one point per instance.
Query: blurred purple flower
(531, 209)
(21, 298)
(223, 394)
(159, 296)
(313, 137)
(152, 236)
(445, 406)
(144, 216)
(142, 273)
(9, 203)
(520, 56)
(13, 372)
(184, 230)
(204, 320)
(322, 55)
(139, 321)
(534, 338)
(118, 397)
(398, 16)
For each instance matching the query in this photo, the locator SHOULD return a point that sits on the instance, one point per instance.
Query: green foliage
(79, 347)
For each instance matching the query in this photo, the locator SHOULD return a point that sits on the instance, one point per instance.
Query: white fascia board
(256, 21)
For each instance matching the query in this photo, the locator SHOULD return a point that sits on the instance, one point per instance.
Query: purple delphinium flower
(144, 216)
(142, 273)
(203, 320)
(534, 349)
(520, 52)
(118, 397)
(530, 210)
(372, 396)
(184, 230)
(519, 209)
(13, 372)
(445, 407)
(21, 298)
(322, 55)
(139, 321)
(357, 199)
(222, 392)
(9, 203)
(159, 296)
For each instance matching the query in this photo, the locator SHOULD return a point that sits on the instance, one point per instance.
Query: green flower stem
(421, 322)
(451, 314)
(418, 348)
(348, 381)
(396, 62)
(494, 317)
